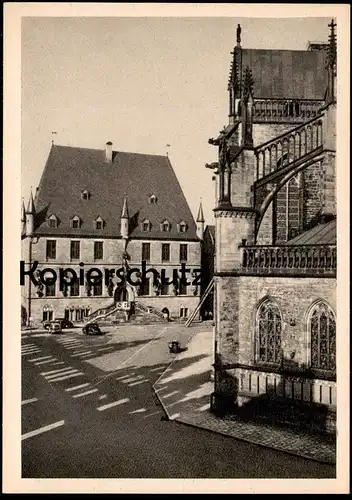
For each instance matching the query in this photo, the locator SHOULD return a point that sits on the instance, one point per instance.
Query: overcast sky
(141, 83)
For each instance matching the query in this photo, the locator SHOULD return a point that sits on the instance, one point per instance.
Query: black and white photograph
(179, 213)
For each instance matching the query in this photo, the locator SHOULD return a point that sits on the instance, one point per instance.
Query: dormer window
(99, 223)
(165, 226)
(146, 225)
(85, 195)
(52, 221)
(182, 227)
(75, 222)
(153, 199)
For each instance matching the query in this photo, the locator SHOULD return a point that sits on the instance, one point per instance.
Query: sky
(140, 82)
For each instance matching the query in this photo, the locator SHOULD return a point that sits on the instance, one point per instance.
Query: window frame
(144, 246)
(100, 255)
(165, 246)
(53, 256)
(278, 353)
(319, 370)
(183, 249)
(72, 244)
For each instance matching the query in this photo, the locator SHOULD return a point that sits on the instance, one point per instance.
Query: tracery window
(322, 327)
(269, 326)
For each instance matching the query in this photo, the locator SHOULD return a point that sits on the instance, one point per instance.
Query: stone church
(275, 235)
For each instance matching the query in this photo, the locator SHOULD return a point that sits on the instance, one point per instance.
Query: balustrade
(319, 258)
(280, 110)
(287, 148)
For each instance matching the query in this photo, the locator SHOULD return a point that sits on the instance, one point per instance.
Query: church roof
(70, 171)
(286, 74)
(321, 234)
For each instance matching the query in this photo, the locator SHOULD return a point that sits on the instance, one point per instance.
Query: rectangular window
(74, 289)
(51, 249)
(98, 250)
(75, 250)
(97, 289)
(146, 251)
(47, 315)
(184, 312)
(50, 290)
(52, 222)
(182, 288)
(165, 252)
(183, 252)
(144, 290)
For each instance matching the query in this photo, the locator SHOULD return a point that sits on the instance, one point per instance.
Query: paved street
(89, 411)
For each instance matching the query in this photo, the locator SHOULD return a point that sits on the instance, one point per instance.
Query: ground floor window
(268, 333)
(322, 328)
(77, 314)
(183, 312)
(48, 315)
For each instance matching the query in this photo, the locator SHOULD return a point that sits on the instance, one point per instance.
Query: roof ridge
(102, 149)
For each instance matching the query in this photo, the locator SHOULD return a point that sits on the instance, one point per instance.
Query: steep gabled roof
(69, 170)
(289, 74)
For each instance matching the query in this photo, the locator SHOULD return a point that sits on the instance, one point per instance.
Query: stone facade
(112, 248)
(275, 182)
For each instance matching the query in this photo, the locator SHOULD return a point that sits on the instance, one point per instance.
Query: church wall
(238, 298)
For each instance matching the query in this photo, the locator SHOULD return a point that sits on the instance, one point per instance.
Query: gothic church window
(322, 329)
(268, 331)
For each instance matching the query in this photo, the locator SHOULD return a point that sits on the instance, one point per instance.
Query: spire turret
(30, 216)
(124, 220)
(200, 222)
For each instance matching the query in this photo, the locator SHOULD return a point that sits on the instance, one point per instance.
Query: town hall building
(275, 237)
(107, 209)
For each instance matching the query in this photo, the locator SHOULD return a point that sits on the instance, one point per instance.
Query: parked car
(55, 327)
(64, 323)
(92, 329)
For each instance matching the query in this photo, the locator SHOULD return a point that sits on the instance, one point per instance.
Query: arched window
(322, 329)
(268, 329)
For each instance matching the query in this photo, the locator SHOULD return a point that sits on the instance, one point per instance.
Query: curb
(166, 369)
(257, 443)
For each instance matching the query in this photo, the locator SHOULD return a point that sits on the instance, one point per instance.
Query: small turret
(30, 216)
(125, 220)
(200, 222)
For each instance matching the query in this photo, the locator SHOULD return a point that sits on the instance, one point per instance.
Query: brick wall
(313, 186)
(263, 132)
(237, 304)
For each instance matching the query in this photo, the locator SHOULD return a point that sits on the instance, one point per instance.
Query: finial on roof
(124, 214)
(331, 55)
(31, 206)
(53, 133)
(23, 211)
(200, 216)
(238, 35)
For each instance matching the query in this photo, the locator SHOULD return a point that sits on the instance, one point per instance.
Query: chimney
(108, 152)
